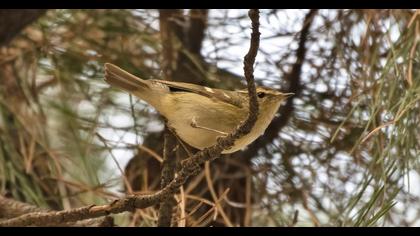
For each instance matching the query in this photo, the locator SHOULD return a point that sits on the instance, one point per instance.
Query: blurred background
(343, 152)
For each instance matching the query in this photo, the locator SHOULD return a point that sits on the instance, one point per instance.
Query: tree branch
(169, 31)
(295, 87)
(10, 208)
(190, 166)
(168, 174)
(196, 31)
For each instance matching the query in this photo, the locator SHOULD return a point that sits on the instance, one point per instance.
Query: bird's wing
(227, 96)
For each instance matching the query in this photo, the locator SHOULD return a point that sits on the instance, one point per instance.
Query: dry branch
(10, 208)
(168, 174)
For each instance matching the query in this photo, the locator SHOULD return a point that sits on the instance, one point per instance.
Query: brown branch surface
(168, 174)
(190, 166)
(10, 208)
(169, 30)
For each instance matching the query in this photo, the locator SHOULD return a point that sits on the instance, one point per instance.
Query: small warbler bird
(199, 114)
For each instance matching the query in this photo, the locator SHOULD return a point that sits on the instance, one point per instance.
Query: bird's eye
(261, 94)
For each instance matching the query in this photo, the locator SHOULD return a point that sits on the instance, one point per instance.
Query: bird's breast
(212, 120)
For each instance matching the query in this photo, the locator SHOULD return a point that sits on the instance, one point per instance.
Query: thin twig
(214, 195)
(151, 153)
(126, 182)
(183, 202)
(411, 57)
(214, 208)
(248, 194)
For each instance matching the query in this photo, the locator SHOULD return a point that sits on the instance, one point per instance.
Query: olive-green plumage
(200, 114)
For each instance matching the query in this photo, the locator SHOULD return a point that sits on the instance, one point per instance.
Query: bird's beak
(287, 95)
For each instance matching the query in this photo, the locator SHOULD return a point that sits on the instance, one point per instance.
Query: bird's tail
(120, 78)
(146, 90)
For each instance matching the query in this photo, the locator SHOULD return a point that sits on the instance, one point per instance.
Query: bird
(198, 114)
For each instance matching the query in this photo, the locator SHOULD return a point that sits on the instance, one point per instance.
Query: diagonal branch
(189, 168)
(10, 208)
(295, 87)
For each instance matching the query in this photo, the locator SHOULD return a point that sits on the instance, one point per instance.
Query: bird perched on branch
(199, 114)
